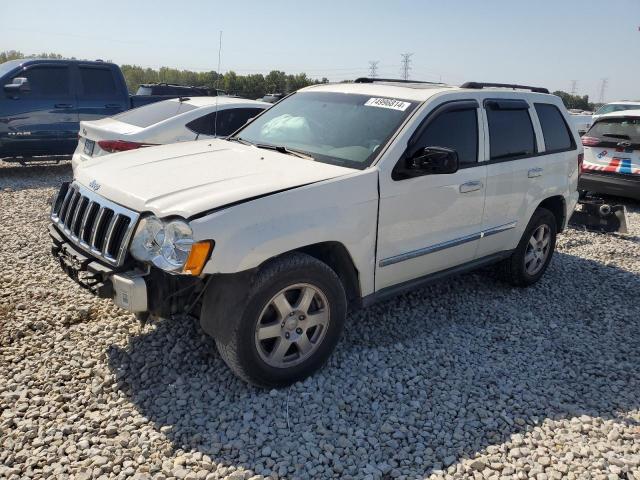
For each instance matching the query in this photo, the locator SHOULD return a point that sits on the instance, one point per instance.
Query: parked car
(581, 120)
(273, 97)
(612, 155)
(170, 121)
(339, 195)
(43, 102)
(173, 91)
(615, 107)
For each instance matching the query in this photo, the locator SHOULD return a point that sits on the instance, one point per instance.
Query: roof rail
(394, 80)
(480, 85)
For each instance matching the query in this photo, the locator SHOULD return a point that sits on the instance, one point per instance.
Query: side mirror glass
(19, 84)
(433, 161)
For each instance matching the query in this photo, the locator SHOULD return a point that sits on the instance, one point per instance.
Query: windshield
(617, 107)
(153, 113)
(337, 128)
(616, 129)
(6, 67)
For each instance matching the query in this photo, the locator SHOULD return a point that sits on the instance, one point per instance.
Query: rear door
(514, 172)
(99, 92)
(43, 120)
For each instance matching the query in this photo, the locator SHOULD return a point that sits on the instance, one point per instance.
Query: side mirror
(432, 161)
(19, 84)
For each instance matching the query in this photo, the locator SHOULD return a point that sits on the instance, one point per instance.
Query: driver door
(433, 222)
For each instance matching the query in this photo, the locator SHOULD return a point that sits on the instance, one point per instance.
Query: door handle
(471, 186)
(535, 172)
(63, 105)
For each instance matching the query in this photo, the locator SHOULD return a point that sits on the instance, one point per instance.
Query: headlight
(166, 245)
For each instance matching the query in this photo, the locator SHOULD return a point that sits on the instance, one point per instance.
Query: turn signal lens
(197, 258)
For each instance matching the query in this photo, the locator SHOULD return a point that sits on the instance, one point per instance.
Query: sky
(546, 43)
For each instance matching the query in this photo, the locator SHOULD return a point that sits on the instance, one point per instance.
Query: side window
(554, 128)
(48, 81)
(97, 81)
(511, 132)
(232, 119)
(202, 125)
(458, 130)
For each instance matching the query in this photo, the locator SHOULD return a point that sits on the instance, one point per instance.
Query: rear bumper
(623, 186)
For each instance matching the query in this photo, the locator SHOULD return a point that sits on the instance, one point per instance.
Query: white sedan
(169, 121)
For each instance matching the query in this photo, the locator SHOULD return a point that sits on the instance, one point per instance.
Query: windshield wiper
(283, 149)
(616, 135)
(239, 140)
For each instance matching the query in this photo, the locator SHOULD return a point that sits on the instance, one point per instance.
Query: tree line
(248, 86)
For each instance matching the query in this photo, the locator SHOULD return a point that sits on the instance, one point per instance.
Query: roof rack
(481, 85)
(394, 80)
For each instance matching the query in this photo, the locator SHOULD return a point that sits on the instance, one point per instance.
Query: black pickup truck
(43, 102)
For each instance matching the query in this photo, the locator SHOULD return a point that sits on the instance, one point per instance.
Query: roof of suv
(621, 113)
(405, 90)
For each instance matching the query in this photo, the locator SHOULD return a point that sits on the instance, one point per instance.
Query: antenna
(373, 68)
(215, 116)
(406, 65)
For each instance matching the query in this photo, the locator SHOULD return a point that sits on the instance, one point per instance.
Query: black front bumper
(85, 271)
(611, 184)
(167, 294)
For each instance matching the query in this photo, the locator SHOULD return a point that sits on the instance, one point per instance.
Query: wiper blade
(283, 149)
(239, 140)
(616, 135)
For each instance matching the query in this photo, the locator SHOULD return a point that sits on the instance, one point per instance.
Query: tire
(263, 356)
(517, 269)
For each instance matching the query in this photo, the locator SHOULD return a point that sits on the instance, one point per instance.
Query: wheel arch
(557, 206)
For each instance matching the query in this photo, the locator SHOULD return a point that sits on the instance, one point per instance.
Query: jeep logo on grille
(94, 185)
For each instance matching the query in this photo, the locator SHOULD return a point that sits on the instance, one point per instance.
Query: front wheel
(531, 257)
(291, 323)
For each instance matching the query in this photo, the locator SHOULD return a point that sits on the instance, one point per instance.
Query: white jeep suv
(339, 195)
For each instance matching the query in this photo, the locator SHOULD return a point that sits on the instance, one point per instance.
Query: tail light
(590, 141)
(112, 146)
(580, 163)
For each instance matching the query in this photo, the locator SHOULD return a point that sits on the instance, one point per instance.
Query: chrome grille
(93, 223)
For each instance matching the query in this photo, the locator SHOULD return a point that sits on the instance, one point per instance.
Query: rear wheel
(291, 323)
(531, 257)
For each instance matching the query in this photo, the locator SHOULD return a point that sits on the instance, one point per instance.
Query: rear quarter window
(556, 133)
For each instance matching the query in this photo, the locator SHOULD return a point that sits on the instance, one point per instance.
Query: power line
(373, 68)
(603, 88)
(405, 65)
(574, 87)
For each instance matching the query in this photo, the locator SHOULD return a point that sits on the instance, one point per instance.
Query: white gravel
(465, 379)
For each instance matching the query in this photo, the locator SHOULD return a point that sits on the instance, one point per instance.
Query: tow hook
(593, 214)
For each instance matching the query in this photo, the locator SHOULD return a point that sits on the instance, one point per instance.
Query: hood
(189, 178)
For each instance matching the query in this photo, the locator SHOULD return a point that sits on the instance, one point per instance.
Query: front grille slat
(109, 235)
(71, 209)
(78, 214)
(95, 224)
(84, 226)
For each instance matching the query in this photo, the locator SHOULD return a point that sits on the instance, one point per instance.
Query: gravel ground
(465, 379)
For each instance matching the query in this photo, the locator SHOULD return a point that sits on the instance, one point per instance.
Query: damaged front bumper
(128, 289)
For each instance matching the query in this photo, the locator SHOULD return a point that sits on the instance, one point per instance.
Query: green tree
(575, 101)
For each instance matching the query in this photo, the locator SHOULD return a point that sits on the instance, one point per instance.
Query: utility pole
(603, 88)
(406, 65)
(574, 87)
(373, 68)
